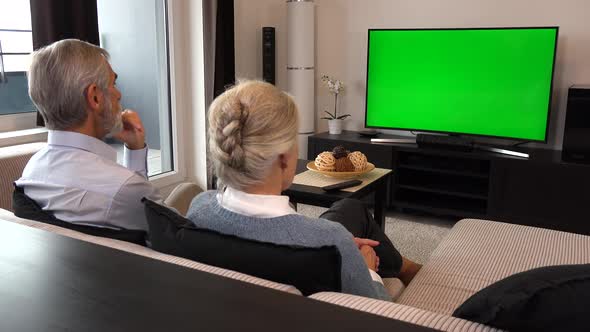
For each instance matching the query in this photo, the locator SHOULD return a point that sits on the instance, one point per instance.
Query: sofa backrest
(7, 216)
(377, 307)
(404, 313)
(25, 207)
(309, 269)
(13, 160)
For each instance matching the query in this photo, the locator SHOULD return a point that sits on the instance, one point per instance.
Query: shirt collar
(83, 142)
(260, 206)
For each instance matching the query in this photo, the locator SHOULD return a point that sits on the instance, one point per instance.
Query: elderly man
(76, 177)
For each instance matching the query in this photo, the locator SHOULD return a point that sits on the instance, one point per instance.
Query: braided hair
(250, 125)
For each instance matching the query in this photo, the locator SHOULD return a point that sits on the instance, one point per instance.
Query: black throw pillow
(25, 207)
(552, 298)
(311, 270)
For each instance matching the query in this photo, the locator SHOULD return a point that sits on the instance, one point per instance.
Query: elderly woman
(253, 147)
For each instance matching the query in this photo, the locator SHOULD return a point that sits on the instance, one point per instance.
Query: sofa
(474, 255)
(13, 160)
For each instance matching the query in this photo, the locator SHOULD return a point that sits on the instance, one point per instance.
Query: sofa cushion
(553, 298)
(477, 253)
(25, 207)
(311, 270)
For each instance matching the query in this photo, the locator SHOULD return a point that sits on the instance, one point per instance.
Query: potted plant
(335, 122)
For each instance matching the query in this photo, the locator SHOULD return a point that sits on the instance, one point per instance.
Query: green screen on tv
(491, 82)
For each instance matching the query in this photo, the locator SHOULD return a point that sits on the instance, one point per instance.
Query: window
(16, 43)
(134, 32)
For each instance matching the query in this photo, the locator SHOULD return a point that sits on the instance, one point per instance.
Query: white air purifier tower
(300, 65)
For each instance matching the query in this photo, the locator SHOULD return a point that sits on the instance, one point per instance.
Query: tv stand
(540, 190)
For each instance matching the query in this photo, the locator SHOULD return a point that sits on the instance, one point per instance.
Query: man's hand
(133, 133)
(370, 257)
(365, 242)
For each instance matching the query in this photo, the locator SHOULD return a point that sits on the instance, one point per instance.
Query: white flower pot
(335, 126)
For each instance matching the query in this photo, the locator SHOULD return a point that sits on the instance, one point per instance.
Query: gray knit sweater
(293, 229)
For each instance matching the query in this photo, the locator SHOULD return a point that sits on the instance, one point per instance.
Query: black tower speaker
(576, 135)
(268, 54)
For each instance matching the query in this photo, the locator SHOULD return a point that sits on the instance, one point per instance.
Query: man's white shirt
(77, 178)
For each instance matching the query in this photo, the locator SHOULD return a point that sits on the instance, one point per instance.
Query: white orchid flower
(334, 86)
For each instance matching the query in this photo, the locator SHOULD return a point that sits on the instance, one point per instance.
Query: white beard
(112, 122)
(118, 124)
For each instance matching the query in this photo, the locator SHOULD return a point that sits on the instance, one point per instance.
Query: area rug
(414, 235)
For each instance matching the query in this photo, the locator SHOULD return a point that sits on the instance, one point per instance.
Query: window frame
(178, 172)
(187, 99)
(2, 53)
(15, 121)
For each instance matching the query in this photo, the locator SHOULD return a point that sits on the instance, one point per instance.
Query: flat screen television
(478, 81)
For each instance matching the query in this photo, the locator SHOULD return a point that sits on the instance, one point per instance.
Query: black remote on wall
(342, 185)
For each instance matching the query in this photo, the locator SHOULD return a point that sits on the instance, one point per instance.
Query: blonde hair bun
(359, 160)
(325, 161)
(250, 125)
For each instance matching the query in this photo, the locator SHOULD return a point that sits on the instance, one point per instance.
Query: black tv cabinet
(538, 191)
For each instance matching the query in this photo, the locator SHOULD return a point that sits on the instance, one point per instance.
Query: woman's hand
(371, 258)
(362, 242)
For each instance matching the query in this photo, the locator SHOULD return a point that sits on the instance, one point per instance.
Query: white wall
(341, 40)
(250, 17)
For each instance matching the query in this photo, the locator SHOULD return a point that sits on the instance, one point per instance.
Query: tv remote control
(342, 185)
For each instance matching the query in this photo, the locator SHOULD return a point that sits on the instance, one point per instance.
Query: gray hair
(58, 77)
(250, 125)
